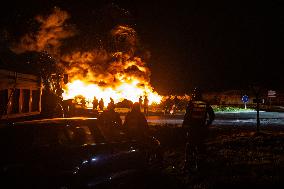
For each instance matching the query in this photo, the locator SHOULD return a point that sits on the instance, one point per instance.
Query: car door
(127, 153)
(95, 153)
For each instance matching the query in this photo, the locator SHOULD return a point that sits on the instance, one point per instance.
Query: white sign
(271, 94)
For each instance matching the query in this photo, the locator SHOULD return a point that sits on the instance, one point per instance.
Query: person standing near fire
(146, 105)
(110, 123)
(110, 117)
(136, 123)
(83, 103)
(140, 102)
(95, 103)
(137, 127)
(199, 115)
(101, 104)
(111, 103)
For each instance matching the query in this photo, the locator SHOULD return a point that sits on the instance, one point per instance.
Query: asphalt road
(230, 119)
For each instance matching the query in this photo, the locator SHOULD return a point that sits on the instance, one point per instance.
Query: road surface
(230, 119)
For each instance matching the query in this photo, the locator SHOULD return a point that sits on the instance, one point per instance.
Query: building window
(3, 101)
(15, 101)
(26, 101)
(35, 100)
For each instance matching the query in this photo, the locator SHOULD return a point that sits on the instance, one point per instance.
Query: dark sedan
(70, 152)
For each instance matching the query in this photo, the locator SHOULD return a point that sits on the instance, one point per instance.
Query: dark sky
(217, 45)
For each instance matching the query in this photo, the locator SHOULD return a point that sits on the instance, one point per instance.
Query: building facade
(20, 94)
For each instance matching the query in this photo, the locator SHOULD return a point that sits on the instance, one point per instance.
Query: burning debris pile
(120, 74)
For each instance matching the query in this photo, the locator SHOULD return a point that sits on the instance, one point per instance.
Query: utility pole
(257, 91)
(257, 112)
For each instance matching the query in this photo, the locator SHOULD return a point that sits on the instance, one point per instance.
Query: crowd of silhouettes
(135, 123)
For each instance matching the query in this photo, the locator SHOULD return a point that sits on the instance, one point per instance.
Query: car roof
(56, 121)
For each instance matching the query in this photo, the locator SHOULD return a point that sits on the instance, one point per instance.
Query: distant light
(76, 170)
(85, 161)
(94, 159)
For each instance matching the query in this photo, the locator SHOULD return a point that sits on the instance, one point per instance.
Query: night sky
(219, 45)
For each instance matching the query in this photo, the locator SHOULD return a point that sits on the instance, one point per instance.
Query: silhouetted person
(111, 103)
(101, 104)
(146, 105)
(136, 126)
(140, 101)
(199, 115)
(135, 123)
(110, 118)
(95, 103)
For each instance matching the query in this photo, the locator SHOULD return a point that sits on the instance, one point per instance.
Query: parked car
(70, 153)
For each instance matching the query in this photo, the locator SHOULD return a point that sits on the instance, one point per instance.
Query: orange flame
(94, 74)
(129, 91)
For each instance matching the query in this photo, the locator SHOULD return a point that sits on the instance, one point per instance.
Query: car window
(92, 125)
(80, 135)
(48, 136)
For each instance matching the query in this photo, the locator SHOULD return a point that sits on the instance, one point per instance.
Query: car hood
(46, 161)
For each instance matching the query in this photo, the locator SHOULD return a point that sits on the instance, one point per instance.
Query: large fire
(129, 91)
(119, 74)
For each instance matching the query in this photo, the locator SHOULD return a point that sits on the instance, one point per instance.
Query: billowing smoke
(129, 67)
(49, 37)
(94, 66)
(90, 66)
(118, 72)
(107, 68)
(124, 39)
